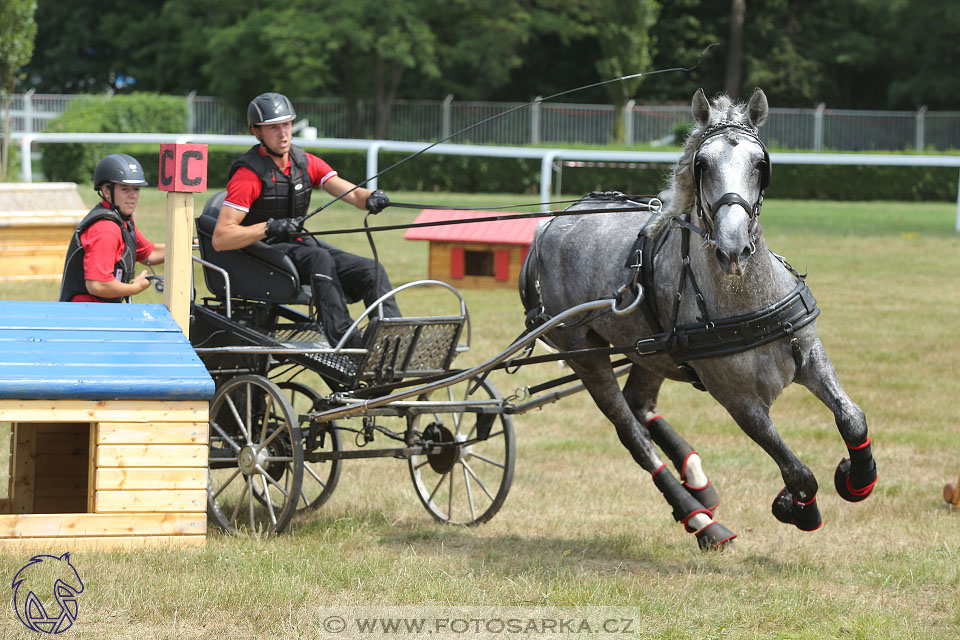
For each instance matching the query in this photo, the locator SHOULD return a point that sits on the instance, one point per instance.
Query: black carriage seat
(257, 272)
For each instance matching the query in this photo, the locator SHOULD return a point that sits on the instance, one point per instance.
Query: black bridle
(707, 219)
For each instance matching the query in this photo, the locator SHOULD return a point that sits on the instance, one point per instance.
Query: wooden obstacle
(36, 222)
(107, 406)
(951, 493)
(475, 256)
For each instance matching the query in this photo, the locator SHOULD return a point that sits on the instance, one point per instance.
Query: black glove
(377, 201)
(282, 228)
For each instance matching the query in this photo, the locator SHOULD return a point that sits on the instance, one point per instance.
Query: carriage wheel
(319, 478)
(256, 457)
(464, 484)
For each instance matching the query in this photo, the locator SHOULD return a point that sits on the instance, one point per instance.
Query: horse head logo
(42, 575)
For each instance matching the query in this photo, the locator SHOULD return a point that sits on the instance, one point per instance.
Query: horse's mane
(680, 192)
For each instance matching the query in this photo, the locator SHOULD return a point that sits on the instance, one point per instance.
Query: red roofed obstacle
(479, 255)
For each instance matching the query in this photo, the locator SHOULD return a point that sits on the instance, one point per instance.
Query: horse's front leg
(856, 476)
(797, 503)
(601, 383)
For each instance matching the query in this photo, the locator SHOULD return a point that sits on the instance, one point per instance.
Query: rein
(651, 204)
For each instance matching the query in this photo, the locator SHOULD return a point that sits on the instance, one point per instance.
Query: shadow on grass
(514, 554)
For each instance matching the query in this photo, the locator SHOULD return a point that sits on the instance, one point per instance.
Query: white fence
(558, 124)
(548, 157)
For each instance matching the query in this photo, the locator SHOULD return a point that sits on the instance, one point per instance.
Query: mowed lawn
(583, 526)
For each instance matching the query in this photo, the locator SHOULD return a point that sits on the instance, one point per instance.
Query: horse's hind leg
(856, 476)
(640, 391)
(598, 378)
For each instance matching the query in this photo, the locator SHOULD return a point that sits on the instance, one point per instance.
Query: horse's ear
(701, 108)
(757, 108)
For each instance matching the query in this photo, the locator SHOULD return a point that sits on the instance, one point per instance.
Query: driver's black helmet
(270, 108)
(118, 168)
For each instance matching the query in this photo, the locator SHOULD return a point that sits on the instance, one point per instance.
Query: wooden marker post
(183, 172)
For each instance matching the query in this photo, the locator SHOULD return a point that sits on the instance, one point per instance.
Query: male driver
(268, 194)
(100, 264)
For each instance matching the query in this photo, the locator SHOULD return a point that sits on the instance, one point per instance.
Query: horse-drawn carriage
(272, 450)
(728, 316)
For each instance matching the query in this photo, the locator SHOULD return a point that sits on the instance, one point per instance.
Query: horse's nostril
(724, 255)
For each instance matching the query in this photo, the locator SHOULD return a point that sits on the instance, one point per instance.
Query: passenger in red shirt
(100, 263)
(268, 194)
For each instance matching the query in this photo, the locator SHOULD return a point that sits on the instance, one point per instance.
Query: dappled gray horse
(716, 308)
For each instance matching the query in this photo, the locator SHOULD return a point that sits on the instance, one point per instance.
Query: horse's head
(731, 169)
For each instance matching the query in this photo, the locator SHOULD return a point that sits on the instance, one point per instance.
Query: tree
(735, 48)
(627, 45)
(17, 32)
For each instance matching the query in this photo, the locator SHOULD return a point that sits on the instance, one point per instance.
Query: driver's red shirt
(244, 186)
(102, 249)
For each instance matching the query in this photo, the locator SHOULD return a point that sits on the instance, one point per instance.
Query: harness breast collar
(708, 337)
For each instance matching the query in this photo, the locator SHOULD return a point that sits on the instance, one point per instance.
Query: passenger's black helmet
(120, 169)
(270, 108)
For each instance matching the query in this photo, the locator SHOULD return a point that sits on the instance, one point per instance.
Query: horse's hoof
(844, 485)
(803, 515)
(715, 537)
(782, 505)
(707, 496)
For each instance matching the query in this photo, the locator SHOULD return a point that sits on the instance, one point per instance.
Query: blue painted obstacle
(93, 351)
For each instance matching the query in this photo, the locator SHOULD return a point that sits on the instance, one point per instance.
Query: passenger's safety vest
(74, 283)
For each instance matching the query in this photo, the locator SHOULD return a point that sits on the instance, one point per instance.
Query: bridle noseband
(729, 198)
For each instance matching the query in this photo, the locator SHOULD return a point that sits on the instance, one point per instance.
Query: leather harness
(706, 337)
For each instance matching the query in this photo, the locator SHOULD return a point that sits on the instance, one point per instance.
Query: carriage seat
(257, 272)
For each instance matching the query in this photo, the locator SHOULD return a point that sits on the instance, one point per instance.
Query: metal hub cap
(249, 459)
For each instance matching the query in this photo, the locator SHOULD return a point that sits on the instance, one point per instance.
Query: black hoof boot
(707, 496)
(782, 505)
(856, 477)
(803, 515)
(715, 537)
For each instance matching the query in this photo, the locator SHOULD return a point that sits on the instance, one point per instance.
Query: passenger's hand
(283, 228)
(377, 201)
(141, 282)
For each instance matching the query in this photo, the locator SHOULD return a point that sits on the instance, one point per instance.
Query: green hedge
(140, 113)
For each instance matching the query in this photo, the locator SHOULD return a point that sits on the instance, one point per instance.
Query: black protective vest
(281, 196)
(74, 282)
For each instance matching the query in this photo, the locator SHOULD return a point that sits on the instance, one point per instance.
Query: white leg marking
(693, 473)
(699, 521)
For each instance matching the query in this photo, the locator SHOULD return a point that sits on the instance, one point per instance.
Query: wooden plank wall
(439, 266)
(34, 252)
(143, 478)
(36, 222)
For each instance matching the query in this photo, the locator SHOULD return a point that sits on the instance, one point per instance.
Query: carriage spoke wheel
(463, 483)
(319, 478)
(256, 457)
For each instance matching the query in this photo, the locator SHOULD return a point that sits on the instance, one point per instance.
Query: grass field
(584, 530)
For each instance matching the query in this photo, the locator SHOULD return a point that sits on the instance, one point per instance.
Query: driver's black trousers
(338, 278)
